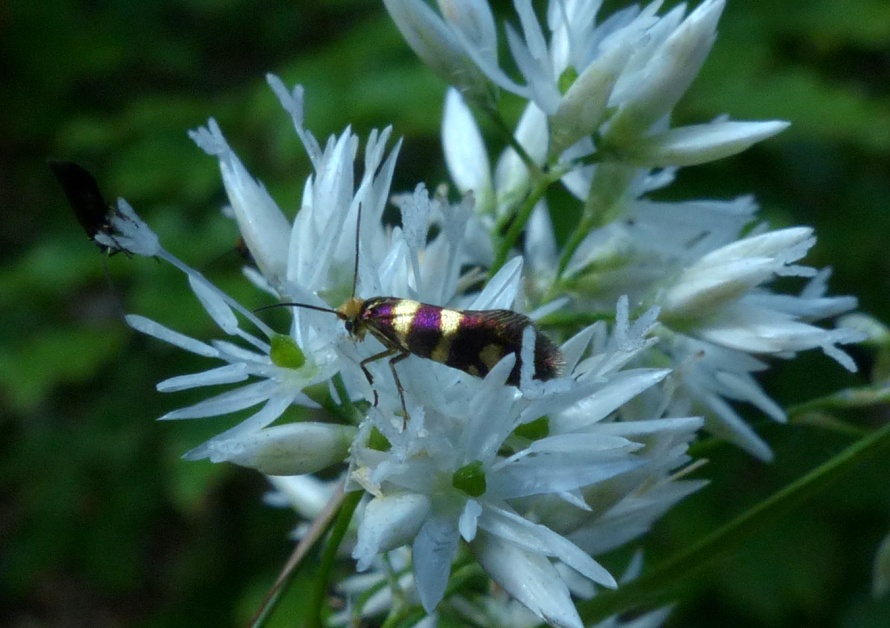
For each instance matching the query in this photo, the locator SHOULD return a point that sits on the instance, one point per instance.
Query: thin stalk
(610, 184)
(329, 555)
(534, 170)
(315, 532)
(518, 225)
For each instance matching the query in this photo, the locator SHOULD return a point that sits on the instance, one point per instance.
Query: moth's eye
(349, 326)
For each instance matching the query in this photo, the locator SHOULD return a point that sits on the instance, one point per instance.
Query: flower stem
(655, 587)
(506, 133)
(517, 226)
(610, 185)
(328, 557)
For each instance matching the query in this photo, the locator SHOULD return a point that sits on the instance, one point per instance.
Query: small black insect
(93, 212)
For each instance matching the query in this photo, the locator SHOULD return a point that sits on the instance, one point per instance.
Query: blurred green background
(102, 523)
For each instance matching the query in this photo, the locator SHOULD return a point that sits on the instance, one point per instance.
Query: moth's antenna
(304, 305)
(358, 229)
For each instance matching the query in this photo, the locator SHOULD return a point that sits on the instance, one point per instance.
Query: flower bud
(698, 144)
(291, 449)
(265, 230)
(434, 42)
(667, 74)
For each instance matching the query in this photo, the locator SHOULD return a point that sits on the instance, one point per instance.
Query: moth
(473, 341)
(93, 212)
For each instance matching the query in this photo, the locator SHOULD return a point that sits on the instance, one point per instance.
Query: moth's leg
(395, 375)
(377, 356)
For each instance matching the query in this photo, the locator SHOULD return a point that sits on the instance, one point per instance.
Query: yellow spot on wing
(491, 355)
(449, 324)
(449, 321)
(403, 316)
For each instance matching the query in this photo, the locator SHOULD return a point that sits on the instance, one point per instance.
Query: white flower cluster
(600, 97)
(530, 481)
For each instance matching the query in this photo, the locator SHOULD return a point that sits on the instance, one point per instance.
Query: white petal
(228, 374)
(228, 402)
(306, 494)
(215, 305)
(584, 105)
(569, 470)
(438, 46)
(263, 226)
(469, 520)
(500, 292)
(700, 290)
(539, 538)
(726, 424)
(756, 330)
(292, 101)
(268, 414)
(150, 327)
(593, 402)
(531, 57)
(529, 578)
(433, 550)
(784, 245)
(574, 347)
(511, 178)
(540, 242)
(700, 143)
(667, 76)
(475, 21)
(465, 152)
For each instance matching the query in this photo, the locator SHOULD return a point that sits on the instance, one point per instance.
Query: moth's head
(350, 313)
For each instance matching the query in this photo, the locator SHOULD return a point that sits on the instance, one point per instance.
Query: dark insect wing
(84, 196)
(487, 336)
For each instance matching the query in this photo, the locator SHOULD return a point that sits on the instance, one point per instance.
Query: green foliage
(105, 524)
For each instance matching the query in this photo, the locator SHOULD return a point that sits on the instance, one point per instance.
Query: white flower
(661, 72)
(461, 470)
(619, 78)
(315, 267)
(279, 379)
(441, 44)
(719, 316)
(720, 366)
(279, 369)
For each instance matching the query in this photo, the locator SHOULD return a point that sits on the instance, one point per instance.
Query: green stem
(609, 186)
(352, 413)
(569, 320)
(655, 586)
(506, 133)
(585, 225)
(322, 579)
(518, 225)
